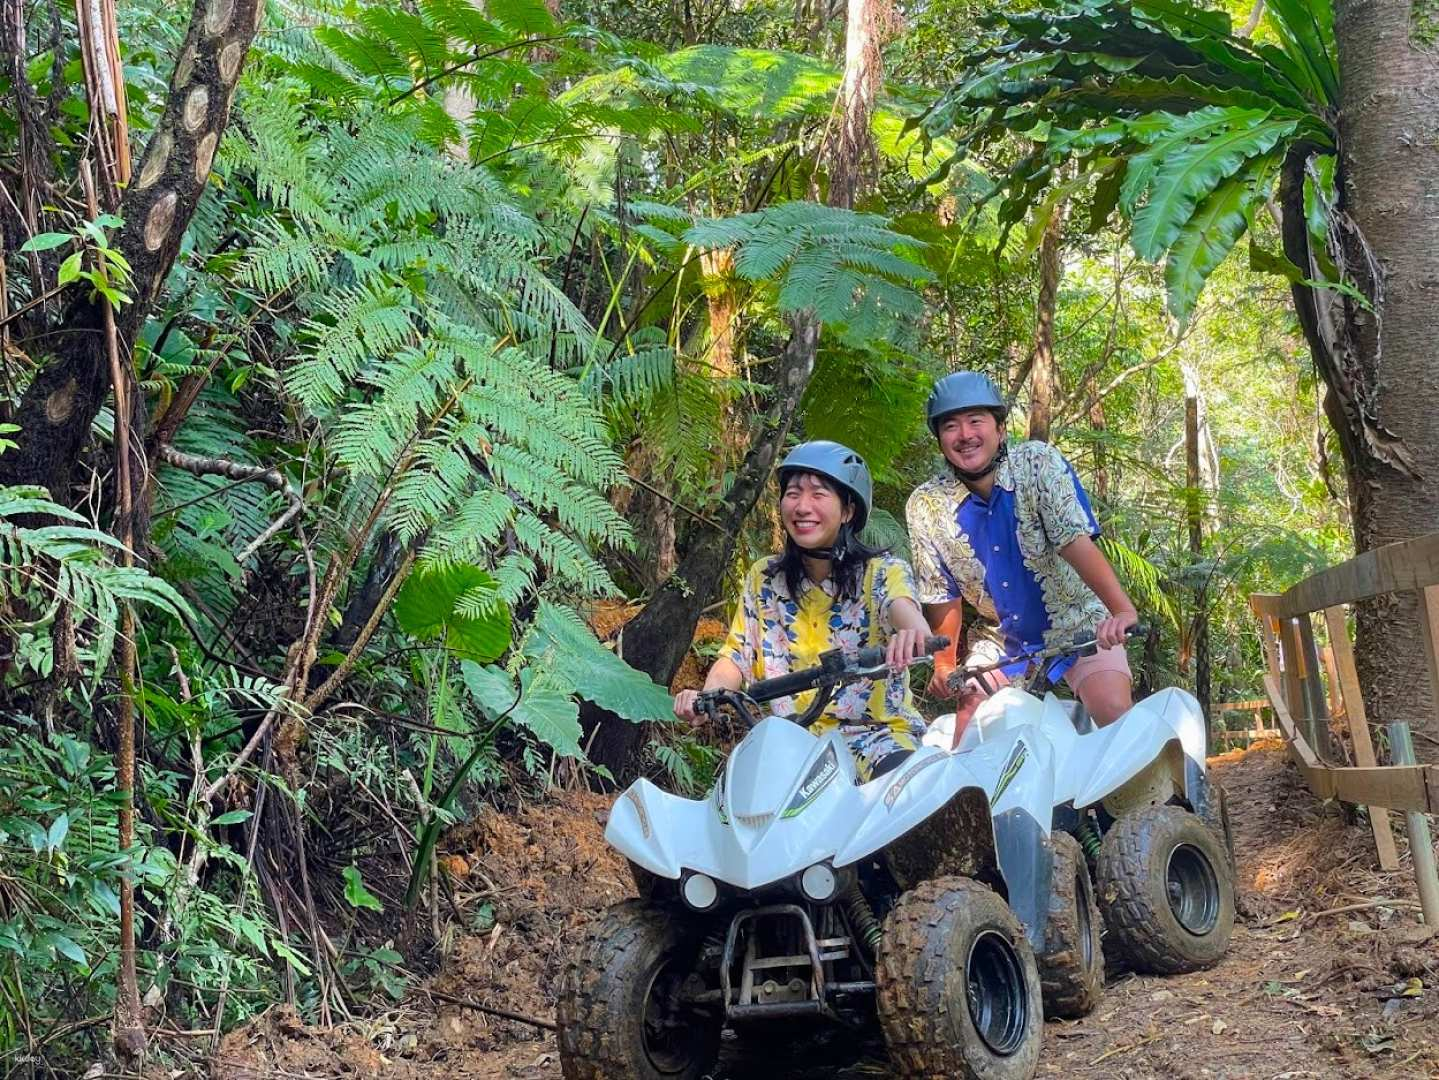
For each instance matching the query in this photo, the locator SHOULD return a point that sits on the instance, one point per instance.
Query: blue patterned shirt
(1001, 553)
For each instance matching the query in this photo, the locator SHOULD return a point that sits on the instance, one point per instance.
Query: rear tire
(618, 1010)
(1166, 891)
(958, 992)
(1071, 964)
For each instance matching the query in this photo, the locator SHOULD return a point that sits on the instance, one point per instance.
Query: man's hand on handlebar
(1113, 630)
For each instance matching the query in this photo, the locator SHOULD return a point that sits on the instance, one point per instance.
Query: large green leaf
(1209, 235)
(566, 648)
(1163, 142)
(1191, 173)
(1306, 27)
(459, 603)
(545, 707)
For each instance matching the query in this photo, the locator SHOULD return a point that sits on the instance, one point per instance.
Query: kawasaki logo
(1011, 769)
(824, 770)
(909, 774)
(640, 810)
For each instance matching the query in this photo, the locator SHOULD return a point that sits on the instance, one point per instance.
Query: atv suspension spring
(1088, 836)
(862, 919)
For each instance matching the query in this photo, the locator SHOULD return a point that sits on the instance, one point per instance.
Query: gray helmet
(964, 390)
(839, 463)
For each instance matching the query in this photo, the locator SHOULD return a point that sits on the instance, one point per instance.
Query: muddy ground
(1329, 974)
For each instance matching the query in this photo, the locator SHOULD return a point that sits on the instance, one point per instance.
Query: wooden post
(1331, 684)
(1429, 626)
(1317, 713)
(1289, 658)
(1353, 699)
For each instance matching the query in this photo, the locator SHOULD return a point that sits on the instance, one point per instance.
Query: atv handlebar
(835, 668)
(1081, 644)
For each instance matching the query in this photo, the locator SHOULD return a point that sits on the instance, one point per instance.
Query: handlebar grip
(782, 685)
(935, 642)
(872, 656)
(1139, 629)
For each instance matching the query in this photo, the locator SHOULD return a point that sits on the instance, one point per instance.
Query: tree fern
(71, 564)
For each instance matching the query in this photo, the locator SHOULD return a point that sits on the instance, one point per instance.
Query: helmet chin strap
(831, 552)
(974, 475)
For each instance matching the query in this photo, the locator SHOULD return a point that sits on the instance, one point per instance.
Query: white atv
(923, 896)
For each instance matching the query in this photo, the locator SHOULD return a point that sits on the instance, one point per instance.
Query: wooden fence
(1315, 694)
(1255, 727)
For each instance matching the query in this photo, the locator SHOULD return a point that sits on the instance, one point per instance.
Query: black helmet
(838, 463)
(964, 390)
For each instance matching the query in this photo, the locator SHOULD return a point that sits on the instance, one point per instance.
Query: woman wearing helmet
(827, 590)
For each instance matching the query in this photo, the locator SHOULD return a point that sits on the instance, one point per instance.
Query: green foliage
(570, 654)
(71, 564)
(356, 895)
(851, 269)
(459, 604)
(1159, 104)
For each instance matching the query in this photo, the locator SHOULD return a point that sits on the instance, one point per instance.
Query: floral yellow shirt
(774, 634)
(1001, 554)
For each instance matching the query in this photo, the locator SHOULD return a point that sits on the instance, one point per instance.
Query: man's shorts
(876, 749)
(1112, 659)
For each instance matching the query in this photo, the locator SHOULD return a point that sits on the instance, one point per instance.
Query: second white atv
(1134, 812)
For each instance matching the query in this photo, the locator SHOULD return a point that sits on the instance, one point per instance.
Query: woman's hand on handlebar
(685, 707)
(904, 647)
(1113, 630)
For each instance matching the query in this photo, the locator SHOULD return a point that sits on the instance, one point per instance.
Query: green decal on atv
(819, 778)
(1011, 769)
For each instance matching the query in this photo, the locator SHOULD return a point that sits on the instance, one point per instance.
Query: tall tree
(656, 640)
(86, 348)
(1389, 161)
(1043, 365)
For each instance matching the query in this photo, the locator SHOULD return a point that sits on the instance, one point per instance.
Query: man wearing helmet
(1010, 531)
(828, 590)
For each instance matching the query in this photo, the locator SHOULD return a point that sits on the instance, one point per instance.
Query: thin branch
(241, 473)
(657, 493)
(454, 68)
(506, 1014)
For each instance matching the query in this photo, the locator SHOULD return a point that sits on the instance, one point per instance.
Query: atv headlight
(818, 883)
(699, 891)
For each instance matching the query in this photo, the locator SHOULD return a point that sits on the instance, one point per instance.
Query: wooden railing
(1255, 727)
(1312, 696)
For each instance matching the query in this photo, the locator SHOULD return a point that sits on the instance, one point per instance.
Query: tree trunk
(59, 406)
(1043, 367)
(1194, 513)
(1389, 134)
(89, 351)
(849, 152)
(656, 640)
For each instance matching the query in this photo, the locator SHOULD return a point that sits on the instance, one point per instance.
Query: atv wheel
(1166, 891)
(1216, 816)
(619, 1010)
(1071, 964)
(958, 992)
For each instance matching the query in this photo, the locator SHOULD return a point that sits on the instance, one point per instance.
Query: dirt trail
(1302, 994)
